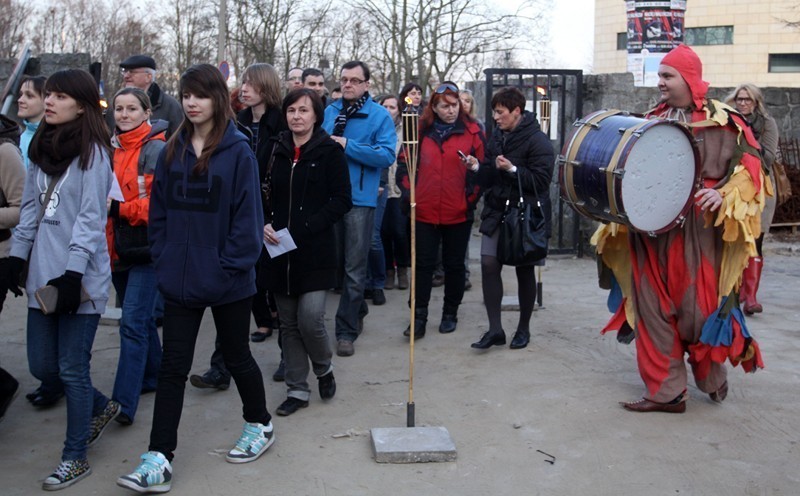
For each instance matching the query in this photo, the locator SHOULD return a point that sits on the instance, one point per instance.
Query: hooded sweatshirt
(26, 137)
(71, 234)
(205, 231)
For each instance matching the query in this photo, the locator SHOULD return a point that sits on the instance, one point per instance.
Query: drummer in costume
(679, 288)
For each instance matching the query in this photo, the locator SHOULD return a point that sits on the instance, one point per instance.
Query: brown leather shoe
(720, 394)
(644, 405)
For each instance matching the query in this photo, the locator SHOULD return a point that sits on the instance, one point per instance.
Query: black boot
(448, 324)
(420, 321)
(521, 339)
(491, 338)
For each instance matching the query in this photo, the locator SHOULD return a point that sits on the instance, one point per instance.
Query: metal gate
(556, 97)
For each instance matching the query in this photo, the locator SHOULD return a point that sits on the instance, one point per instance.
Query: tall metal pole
(223, 30)
(411, 149)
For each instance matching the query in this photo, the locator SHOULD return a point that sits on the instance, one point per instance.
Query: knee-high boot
(751, 280)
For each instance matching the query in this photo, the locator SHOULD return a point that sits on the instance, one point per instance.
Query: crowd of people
(264, 202)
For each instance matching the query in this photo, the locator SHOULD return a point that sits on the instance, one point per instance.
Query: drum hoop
(681, 218)
(572, 151)
(611, 179)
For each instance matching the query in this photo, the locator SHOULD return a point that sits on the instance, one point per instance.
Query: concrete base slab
(412, 445)
(111, 317)
(510, 303)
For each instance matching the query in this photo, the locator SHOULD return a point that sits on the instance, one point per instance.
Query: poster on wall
(654, 28)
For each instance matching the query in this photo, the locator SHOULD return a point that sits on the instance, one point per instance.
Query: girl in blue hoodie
(205, 233)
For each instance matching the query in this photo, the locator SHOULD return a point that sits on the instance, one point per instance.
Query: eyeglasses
(744, 100)
(354, 81)
(124, 71)
(446, 87)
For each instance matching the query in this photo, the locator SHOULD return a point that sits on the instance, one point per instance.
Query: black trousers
(454, 239)
(181, 326)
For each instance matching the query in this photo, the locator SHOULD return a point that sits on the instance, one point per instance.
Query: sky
(571, 33)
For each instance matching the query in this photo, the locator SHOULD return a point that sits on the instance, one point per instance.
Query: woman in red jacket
(446, 194)
(137, 143)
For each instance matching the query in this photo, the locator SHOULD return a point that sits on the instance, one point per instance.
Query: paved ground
(502, 408)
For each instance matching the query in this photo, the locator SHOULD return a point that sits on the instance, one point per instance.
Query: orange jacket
(135, 154)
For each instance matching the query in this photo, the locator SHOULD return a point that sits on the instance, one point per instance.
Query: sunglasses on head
(446, 87)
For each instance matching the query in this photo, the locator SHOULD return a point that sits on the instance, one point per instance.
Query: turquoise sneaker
(153, 475)
(253, 442)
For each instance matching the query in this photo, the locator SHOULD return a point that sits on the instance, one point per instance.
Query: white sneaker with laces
(66, 474)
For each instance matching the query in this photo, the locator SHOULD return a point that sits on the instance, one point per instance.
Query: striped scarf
(348, 112)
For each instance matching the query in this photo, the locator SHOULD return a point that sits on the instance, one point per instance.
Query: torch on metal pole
(412, 444)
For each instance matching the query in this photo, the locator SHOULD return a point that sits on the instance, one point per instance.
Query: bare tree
(191, 33)
(427, 40)
(13, 23)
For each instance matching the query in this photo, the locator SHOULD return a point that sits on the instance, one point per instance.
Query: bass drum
(618, 167)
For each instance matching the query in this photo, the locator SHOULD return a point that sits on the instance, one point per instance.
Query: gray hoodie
(71, 235)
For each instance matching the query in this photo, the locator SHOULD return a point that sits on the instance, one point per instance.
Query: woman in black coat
(309, 192)
(518, 148)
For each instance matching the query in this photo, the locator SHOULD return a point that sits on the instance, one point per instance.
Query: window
(784, 62)
(622, 41)
(717, 35)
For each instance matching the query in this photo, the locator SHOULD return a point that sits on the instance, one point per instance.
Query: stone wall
(617, 91)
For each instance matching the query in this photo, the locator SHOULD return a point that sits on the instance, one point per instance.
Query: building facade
(737, 40)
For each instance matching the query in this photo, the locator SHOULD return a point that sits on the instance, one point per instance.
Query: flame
(408, 100)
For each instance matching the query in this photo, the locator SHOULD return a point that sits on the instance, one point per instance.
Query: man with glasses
(365, 131)
(139, 71)
(294, 79)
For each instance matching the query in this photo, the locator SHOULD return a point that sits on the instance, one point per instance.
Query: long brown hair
(81, 86)
(204, 81)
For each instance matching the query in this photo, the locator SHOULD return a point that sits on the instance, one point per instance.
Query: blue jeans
(356, 234)
(59, 350)
(140, 348)
(376, 275)
(304, 338)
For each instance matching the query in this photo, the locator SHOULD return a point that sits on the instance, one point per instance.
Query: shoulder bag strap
(47, 195)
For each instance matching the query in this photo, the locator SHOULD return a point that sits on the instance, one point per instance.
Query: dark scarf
(57, 147)
(154, 92)
(443, 129)
(348, 112)
(757, 122)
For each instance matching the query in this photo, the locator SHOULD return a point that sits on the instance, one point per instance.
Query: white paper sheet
(285, 243)
(116, 190)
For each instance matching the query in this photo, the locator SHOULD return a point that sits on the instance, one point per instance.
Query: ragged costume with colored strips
(678, 290)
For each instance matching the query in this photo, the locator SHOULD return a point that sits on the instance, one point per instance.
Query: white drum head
(659, 178)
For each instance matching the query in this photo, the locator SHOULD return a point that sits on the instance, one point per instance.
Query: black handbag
(523, 237)
(130, 243)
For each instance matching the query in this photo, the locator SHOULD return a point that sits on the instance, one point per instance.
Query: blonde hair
(473, 112)
(264, 78)
(754, 92)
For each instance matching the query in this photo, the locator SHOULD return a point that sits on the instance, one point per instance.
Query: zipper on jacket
(289, 224)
